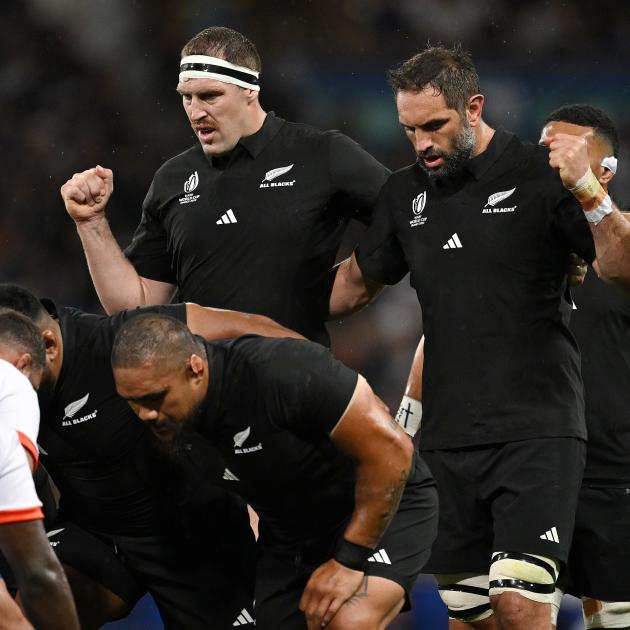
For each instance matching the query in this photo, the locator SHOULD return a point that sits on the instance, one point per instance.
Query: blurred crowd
(85, 83)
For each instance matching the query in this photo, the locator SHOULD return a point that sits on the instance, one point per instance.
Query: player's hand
(569, 155)
(329, 587)
(577, 270)
(87, 193)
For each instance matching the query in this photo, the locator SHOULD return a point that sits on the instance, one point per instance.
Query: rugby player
(486, 227)
(250, 218)
(600, 553)
(347, 511)
(125, 524)
(44, 591)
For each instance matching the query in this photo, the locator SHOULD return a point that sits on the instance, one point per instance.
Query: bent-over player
(347, 511)
(126, 524)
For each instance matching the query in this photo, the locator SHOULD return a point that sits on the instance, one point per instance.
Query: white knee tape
(600, 614)
(529, 575)
(555, 606)
(465, 595)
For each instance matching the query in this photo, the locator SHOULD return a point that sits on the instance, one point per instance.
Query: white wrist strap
(597, 214)
(409, 415)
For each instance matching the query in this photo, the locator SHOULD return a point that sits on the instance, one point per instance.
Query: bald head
(158, 339)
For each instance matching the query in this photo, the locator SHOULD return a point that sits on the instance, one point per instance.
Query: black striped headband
(204, 67)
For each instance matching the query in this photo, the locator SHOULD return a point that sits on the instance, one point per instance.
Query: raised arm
(216, 323)
(611, 231)
(383, 454)
(351, 290)
(117, 283)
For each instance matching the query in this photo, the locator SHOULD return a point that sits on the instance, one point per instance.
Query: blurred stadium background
(86, 82)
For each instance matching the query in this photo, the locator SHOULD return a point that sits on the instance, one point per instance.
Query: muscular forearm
(379, 486)
(116, 282)
(351, 291)
(215, 323)
(47, 599)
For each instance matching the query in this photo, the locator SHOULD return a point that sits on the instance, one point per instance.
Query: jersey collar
(255, 143)
(480, 165)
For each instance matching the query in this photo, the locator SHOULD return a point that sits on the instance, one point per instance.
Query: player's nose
(146, 414)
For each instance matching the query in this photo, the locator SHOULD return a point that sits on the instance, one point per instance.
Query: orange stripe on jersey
(30, 447)
(18, 516)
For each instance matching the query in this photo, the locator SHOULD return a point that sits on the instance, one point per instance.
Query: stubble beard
(463, 145)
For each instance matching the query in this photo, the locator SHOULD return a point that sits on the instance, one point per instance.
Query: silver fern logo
(273, 174)
(417, 205)
(71, 409)
(494, 199)
(241, 436)
(191, 183)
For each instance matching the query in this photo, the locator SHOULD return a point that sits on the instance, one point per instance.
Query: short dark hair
(154, 337)
(449, 71)
(224, 43)
(588, 116)
(18, 331)
(22, 300)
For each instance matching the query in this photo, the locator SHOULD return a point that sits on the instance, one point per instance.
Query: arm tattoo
(392, 496)
(361, 593)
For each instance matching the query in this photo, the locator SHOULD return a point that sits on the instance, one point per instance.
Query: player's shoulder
(258, 352)
(182, 162)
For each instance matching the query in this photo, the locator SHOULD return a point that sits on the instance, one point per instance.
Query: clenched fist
(86, 194)
(569, 155)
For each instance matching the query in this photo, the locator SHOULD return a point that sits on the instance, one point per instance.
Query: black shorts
(518, 496)
(401, 554)
(599, 561)
(199, 582)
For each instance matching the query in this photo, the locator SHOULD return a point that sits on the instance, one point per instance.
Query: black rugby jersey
(488, 251)
(601, 325)
(269, 409)
(98, 453)
(261, 234)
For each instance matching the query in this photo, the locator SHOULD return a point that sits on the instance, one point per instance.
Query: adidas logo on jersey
(453, 243)
(551, 535)
(244, 618)
(226, 218)
(228, 475)
(380, 556)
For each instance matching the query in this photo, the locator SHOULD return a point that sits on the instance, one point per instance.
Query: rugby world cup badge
(417, 206)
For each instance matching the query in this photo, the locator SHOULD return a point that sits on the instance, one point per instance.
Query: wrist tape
(351, 555)
(409, 415)
(588, 191)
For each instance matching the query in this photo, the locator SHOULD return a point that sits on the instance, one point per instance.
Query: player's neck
(483, 136)
(255, 121)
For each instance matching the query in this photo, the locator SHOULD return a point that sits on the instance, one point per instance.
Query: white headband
(204, 67)
(610, 163)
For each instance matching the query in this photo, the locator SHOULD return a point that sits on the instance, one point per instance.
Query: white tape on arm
(409, 415)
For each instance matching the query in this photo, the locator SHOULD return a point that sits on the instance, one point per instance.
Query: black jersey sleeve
(307, 389)
(573, 226)
(356, 174)
(148, 249)
(379, 253)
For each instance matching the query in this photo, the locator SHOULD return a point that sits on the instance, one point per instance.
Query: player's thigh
(534, 495)
(465, 533)
(373, 607)
(104, 588)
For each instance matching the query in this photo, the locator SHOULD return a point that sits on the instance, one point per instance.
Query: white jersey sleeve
(19, 409)
(18, 499)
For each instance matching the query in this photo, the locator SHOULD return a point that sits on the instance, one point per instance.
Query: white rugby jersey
(18, 499)
(19, 409)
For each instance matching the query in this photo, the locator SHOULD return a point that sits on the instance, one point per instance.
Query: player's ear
(605, 176)
(250, 95)
(195, 366)
(474, 107)
(24, 363)
(51, 344)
